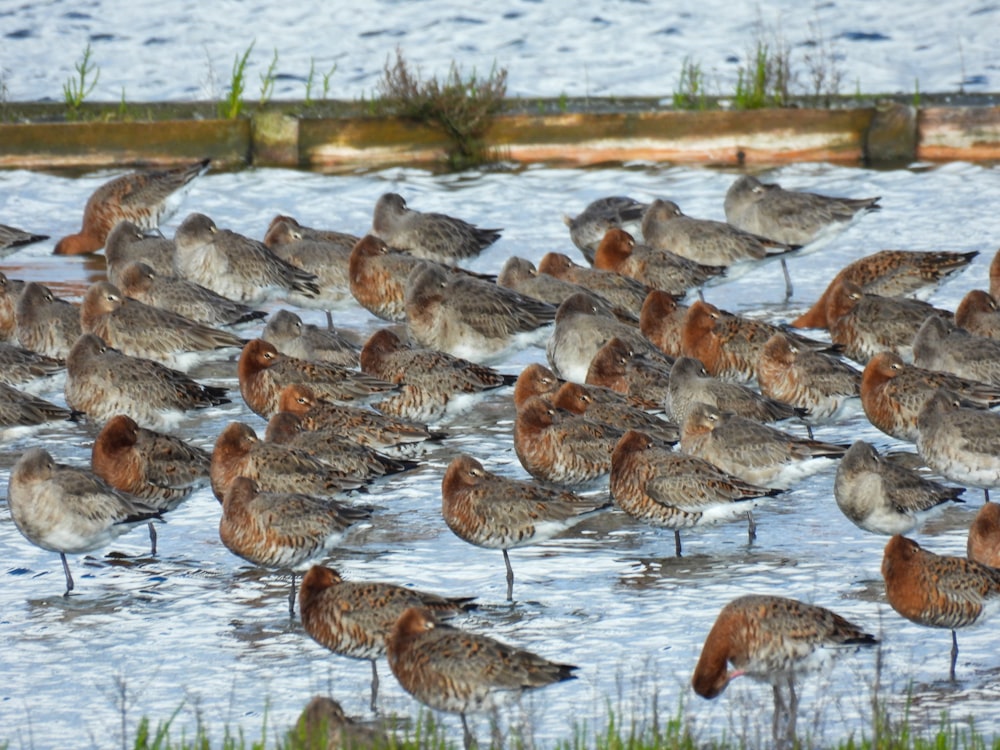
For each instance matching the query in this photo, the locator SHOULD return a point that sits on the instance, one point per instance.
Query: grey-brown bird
(469, 317)
(140, 330)
(127, 244)
(691, 384)
(65, 509)
(233, 265)
(102, 383)
(46, 324)
(879, 495)
(435, 236)
(294, 338)
(588, 228)
(11, 238)
(938, 345)
(174, 294)
(793, 216)
(754, 452)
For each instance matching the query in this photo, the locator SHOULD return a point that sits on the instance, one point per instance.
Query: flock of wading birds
(634, 372)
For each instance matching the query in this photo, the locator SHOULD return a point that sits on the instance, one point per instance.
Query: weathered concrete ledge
(293, 135)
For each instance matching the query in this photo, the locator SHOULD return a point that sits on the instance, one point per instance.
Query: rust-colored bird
(264, 371)
(774, 640)
(677, 491)
(238, 452)
(889, 273)
(454, 670)
(658, 269)
(353, 618)
(893, 393)
(283, 530)
(560, 447)
(938, 591)
(983, 545)
(144, 198)
(488, 510)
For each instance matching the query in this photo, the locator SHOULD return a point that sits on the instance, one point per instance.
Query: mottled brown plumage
(353, 618)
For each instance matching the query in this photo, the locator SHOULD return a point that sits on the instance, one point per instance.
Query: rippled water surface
(198, 630)
(185, 50)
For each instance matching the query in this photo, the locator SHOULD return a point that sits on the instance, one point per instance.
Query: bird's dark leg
(954, 654)
(751, 527)
(467, 738)
(152, 539)
(374, 686)
(793, 710)
(291, 598)
(788, 280)
(677, 542)
(779, 710)
(510, 577)
(69, 577)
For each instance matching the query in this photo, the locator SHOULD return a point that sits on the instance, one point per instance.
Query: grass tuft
(690, 91)
(79, 87)
(231, 106)
(464, 108)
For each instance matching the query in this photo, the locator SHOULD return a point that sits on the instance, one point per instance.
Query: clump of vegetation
(823, 65)
(311, 81)
(464, 108)
(765, 82)
(267, 80)
(690, 91)
(231, 106)
(80, 86)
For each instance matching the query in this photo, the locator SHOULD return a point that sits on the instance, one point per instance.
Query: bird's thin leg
(467, 738)
(329, 321)
(152, 539)
(69, 577)
(374, 686)
(779, 710)
(677, 542)
(986, 493)
(954, 654)
(291, 598)
(751, 527)
(793, 710)
(510, 577)
(788, 280)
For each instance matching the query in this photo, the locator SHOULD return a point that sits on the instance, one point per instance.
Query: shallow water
(185, 50)
(196, 629)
